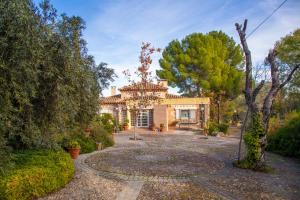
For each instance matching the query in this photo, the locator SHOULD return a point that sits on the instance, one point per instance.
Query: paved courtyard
(177, 165)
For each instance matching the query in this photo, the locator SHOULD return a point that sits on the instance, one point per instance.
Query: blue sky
(115, 29)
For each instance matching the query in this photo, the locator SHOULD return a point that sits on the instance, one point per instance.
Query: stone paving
(183, 165)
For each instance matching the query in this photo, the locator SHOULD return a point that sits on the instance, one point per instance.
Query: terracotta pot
(74, 152)
(162, 129)
(99, 146)
(87, 131)
(152, 128)
(125, 127)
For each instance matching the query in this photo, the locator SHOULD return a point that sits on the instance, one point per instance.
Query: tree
(142, 98)
(203, 63)
(48, 81)
(283, 60)
(105, 75)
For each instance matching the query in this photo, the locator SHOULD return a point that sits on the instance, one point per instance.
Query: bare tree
(251, 92)
(140, 95)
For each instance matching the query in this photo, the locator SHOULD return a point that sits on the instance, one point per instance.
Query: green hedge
(36, 173)
(286, 140)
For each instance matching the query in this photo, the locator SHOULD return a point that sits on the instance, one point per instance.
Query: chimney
(162, 82)
(113, 90)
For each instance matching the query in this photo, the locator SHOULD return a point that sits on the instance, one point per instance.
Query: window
(185, 114)
(142, 118)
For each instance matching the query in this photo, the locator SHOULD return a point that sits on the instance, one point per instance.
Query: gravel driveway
(178, 165)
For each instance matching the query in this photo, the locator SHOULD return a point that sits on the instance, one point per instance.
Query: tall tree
(284, 61)
(48, 81)
(104, 75)
(203, 63)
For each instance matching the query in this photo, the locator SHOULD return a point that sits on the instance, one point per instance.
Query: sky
(115, 29)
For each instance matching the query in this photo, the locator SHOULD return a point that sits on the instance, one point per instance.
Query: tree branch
(248, 86)
(289, 76)
(257, 89)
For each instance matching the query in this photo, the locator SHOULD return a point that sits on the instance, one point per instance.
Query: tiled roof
(111, 99)
(173, 96)
(116, 99)
(148, 86)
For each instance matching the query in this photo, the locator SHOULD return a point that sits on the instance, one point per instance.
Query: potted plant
(152, 127)
(87, 131)
(73, 148)
(125, 125)
(162, 127)
(98, 146)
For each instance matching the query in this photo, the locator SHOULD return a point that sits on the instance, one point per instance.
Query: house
(170, 110)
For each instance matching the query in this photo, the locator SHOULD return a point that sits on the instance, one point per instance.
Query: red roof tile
(173, 96)
(148, 86)
(116, 99)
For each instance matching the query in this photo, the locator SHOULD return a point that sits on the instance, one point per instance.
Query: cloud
(115, 32)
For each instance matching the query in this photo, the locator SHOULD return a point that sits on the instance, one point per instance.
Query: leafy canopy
(203, 62)
(48, 81)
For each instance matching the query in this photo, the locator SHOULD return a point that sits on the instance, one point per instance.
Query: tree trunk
(249, 92)
(250, 95)
(242, 132)
(135, 124)
(219, 102)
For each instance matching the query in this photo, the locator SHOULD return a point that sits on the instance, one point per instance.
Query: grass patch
(35, 173)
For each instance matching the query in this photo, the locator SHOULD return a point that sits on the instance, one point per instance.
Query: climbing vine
(252, 141)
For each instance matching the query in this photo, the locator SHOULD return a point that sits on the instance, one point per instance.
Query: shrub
(107, 121)
(274, 124)
(5, 157)
(73, 144)
(86, 143)
(126, 122)
(223, 127)
(99, 134)
(286, 140)
(214, 128)
(36, 173)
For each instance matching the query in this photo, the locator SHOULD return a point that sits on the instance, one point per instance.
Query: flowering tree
(140, 97)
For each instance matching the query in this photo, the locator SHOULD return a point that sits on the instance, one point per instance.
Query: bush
(214, 128)
(5, 157)
(73, 144)
(99, 134)
(223, 127)
(286, 140)
(36, 173)
(107, 121)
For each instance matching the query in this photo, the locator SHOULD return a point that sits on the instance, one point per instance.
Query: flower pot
(125, 127)
(87, 131)
(162, 129)
(152, 128)
(74, 152)
(99, 146)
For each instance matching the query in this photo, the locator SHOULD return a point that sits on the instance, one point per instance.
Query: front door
(143, 119)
